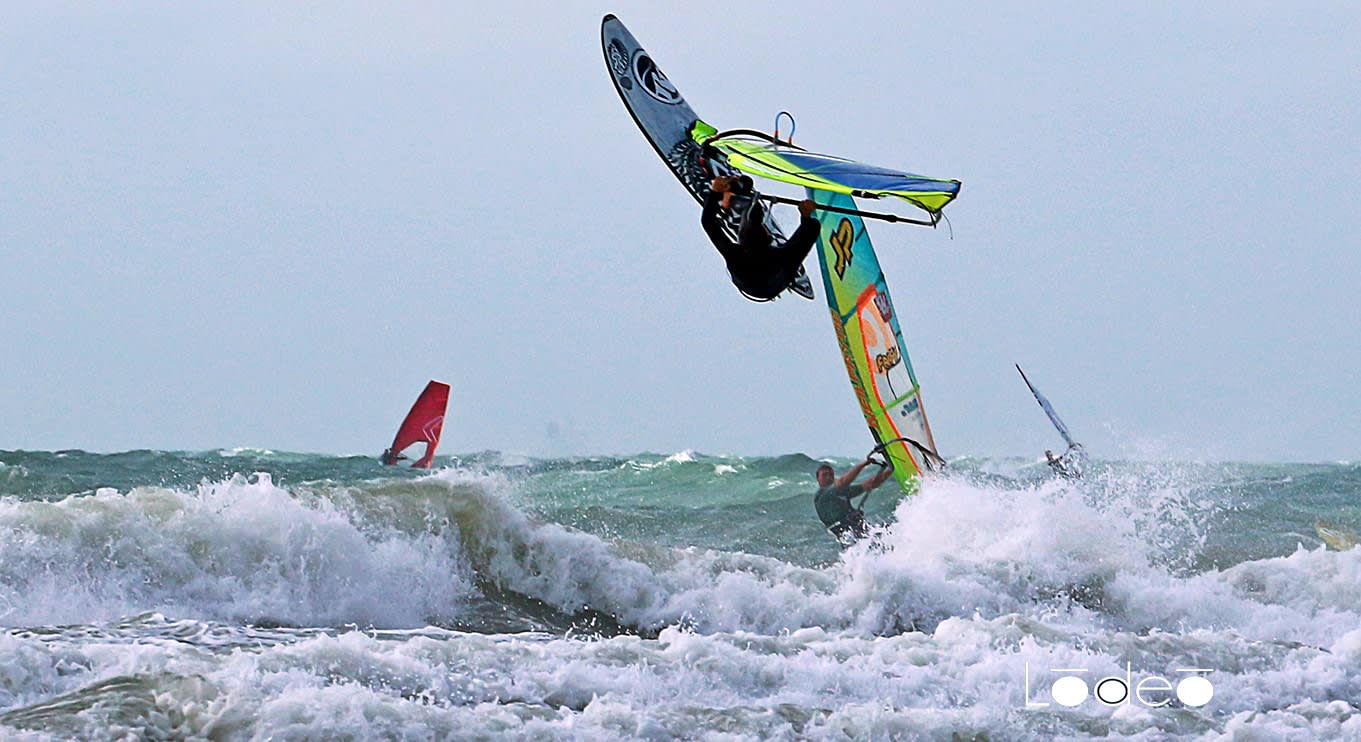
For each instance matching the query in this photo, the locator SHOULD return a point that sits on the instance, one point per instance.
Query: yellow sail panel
(789, 164)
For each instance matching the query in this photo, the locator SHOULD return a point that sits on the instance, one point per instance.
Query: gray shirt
(834, 503)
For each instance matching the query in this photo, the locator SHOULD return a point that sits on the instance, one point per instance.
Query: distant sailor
(422, 424)
(1069, 465)
(844, 519)
(761, 267)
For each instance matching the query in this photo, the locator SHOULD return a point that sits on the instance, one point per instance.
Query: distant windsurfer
(844, 519)
(1069, 465)
(422, 424)
(761, 267)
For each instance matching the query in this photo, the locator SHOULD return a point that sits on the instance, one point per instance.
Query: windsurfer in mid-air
(761, 267)
(844, 519)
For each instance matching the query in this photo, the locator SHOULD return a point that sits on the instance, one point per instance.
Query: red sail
(424, 422)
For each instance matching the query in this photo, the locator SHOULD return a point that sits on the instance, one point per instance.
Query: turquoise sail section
(871, 340)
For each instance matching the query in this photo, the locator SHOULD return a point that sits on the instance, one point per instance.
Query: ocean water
(257, 595)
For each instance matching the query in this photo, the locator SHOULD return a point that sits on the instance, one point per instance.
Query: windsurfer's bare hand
(806, 208)
(721, 184)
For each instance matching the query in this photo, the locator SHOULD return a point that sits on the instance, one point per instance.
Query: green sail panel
(818, 172)
(871, 341)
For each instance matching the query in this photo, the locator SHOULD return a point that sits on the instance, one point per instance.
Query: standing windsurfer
(761, 267)
(845, 520)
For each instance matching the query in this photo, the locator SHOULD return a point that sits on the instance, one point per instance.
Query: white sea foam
(681, 457)
(967, 677)
(975, 598)
(238, 549)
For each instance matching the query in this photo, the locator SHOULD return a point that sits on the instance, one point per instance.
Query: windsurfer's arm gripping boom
(846, 479)
(857, 212)
(760, 265)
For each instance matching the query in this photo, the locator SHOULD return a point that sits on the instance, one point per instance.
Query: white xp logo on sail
(1071, 688)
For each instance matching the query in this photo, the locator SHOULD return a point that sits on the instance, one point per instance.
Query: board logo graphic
(619, 63)
(841, 240)
(684, 158)
(653, 80)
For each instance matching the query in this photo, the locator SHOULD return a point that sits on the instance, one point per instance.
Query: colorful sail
(761, 156)
(871, 341)
(424, 422)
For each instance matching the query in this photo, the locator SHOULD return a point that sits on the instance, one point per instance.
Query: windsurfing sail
(1049, 410)
(424, 422)
(871, 341)
(1070, 464)
(762, 156)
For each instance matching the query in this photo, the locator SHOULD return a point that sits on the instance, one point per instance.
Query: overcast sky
(269, 225)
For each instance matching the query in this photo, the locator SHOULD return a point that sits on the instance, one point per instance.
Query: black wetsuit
(759, 268)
